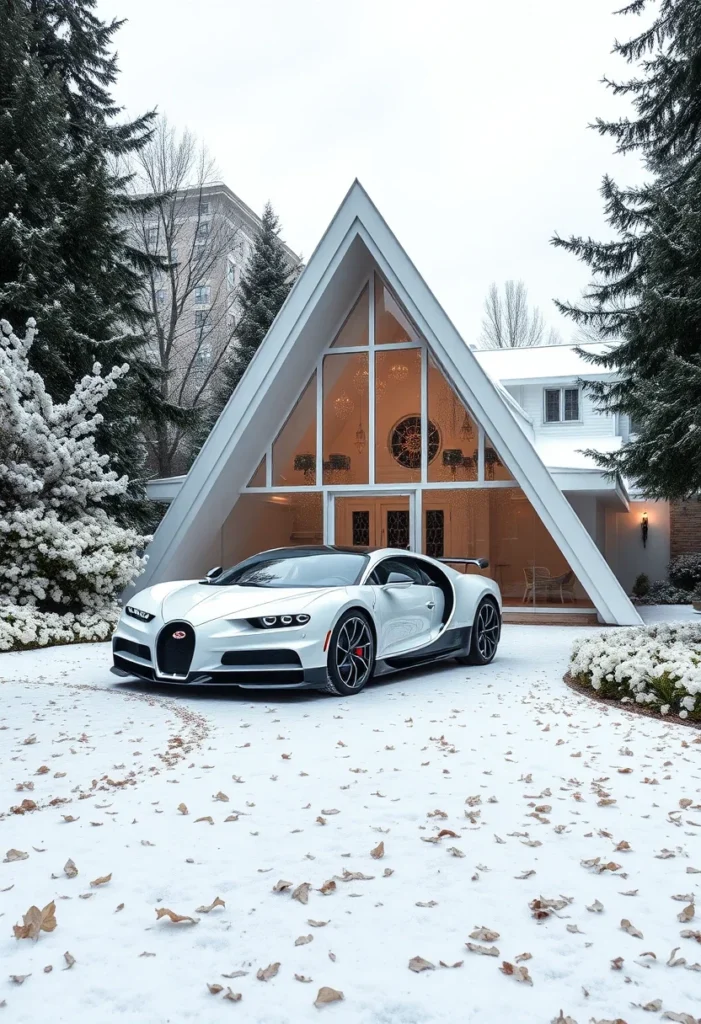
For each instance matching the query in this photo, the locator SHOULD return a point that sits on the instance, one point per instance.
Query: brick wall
(685, 527)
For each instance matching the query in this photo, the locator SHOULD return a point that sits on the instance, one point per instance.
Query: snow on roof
(540, 362)
(567, 453)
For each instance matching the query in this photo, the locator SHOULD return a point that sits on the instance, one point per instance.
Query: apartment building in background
(205, 234)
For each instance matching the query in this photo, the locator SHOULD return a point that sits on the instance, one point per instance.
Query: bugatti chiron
(324, 617)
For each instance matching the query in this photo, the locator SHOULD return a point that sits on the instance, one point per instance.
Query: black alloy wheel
(486, 632)
(351, 655)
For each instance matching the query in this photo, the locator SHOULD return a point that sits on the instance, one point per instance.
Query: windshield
(326, 569)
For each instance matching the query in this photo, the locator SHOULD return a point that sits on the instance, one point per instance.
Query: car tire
(351, 655)
(486, 631)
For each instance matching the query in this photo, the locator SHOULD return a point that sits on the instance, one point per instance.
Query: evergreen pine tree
(264, 286)
(64, 257)
(646, 286)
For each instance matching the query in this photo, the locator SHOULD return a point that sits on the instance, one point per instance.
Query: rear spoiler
(481, 563)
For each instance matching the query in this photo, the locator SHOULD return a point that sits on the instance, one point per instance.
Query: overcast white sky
(465, 121)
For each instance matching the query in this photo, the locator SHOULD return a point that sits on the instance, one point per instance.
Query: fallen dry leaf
(519, 973)
(595, 907)
(13, 855)
(19, 979)
(617, 964)
(103, 880)
(221, 797)
(215, 989)
(183, 808)
(207, 817)
(379, 851)
(431, 903)
(68, 818)
(681, 1018)
(484, 950)
(120, 907)
(303, 940)
(686, 914)
(70, 869)
(233, 997)
(301, 893)
(484, 934)
(317, 924)
(327, 995)
(301, 977)
(455, 852)
(561, 1019)
(332, 811)
(217, 903)
(235, 974)
(418, 964)
(172, 916)
(70, 960)
(523, 956)
(631, 929)
(387, 872)
(266, 973)
(35, 921)
(282, 886)
(328, 887)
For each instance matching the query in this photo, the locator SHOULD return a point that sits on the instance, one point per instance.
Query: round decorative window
(405, 442)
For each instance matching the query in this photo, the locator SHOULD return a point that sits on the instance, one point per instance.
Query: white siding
(592, 423)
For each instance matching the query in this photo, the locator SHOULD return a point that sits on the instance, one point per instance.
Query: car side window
(380, 573)
(412, 567)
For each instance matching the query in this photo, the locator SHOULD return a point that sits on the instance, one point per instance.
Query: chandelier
(360, 439)
(399, 371)
(343, 406)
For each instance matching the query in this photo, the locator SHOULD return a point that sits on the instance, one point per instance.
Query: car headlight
(276, 621)
(136, 613)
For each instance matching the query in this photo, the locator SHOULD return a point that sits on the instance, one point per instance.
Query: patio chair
(539, 581)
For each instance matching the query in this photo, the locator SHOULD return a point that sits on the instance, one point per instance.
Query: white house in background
(365, 419)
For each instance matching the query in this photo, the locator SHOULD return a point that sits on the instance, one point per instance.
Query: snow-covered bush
(664, 592)
(685, 571)
(63, 560)
(656, 666)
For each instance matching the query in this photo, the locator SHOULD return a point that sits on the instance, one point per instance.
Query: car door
(406, 613)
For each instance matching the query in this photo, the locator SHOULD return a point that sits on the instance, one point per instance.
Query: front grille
(142, 671)
(262, 658)
(131, 647)
(174, 654)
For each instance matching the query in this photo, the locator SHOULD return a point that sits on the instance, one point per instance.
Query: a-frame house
(365, 419)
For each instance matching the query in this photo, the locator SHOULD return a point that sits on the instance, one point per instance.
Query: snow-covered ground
(532, 779)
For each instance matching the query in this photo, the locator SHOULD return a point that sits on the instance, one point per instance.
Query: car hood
(199, 603)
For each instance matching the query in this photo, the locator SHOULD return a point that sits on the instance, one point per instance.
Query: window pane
(494, 467)
(294, 449)
(261, 521)
(345, 419)
(457, 458)
(501, 524)
(552, 406)
(398, 417)
(356, 328)
(392, 325)
(258, 478)
(571, 403)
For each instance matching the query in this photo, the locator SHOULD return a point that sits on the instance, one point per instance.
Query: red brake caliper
(359, 652)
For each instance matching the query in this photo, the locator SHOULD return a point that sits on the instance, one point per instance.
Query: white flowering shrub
(63, 560)
(658, 666)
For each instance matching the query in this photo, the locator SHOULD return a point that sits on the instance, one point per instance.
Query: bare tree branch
(508, 321)
(192, 298)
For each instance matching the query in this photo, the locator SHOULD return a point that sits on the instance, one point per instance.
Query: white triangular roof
(282, 366)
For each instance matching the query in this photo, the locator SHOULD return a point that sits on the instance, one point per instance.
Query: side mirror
(398, 580)
(483, 563)
(213, 573)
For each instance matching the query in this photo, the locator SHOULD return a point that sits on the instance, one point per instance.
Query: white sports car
(328, 618)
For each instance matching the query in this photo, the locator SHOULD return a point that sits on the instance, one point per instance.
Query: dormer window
(561, 405)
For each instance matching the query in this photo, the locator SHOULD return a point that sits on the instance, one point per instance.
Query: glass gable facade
(380, 449)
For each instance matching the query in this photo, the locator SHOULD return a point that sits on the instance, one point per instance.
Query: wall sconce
(644, 528)
(452, 458)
